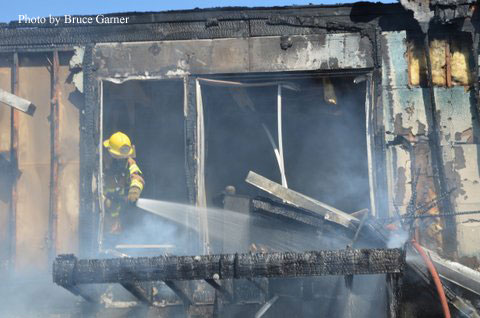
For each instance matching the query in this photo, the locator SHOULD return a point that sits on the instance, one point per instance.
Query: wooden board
(33, 186)
(5, 188)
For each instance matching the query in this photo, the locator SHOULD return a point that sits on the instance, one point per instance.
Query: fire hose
(436, 278)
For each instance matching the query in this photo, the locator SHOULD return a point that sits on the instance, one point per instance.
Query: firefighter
(123, 181)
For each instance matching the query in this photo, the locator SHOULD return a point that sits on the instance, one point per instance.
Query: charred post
(54, 151)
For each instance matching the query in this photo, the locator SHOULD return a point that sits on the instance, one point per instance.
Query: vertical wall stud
(54, 150)
(14, 163)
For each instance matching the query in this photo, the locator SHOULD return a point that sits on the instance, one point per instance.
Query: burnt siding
(405, 115)
(180, 58)
(210, 24)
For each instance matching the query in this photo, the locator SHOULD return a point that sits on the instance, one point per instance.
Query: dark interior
(324, 144)
(325, 150)
(151, 114)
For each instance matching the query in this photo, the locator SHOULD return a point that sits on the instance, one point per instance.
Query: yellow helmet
(119, 145)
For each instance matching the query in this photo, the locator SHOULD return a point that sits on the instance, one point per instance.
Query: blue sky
(10, 9)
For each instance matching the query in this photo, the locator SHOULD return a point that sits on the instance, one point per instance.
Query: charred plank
(180, 292)
(297, 199)
(220, 288)
(284, 211)
(139, 291)
(68, 271)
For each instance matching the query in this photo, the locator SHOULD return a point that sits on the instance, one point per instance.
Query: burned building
(367, 112)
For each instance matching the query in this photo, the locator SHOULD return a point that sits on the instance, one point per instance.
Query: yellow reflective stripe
(115, 191)
(136, 183)
(115, 213)
(134, 169)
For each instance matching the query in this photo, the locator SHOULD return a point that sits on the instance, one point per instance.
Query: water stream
(231, 231)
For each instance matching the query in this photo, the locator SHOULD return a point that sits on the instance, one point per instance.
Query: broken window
(322, 136)
(151, 114)
(451, 60)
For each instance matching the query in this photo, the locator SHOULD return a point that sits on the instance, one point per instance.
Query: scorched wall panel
(33, 186)
(405, 109)
(258, 54)
(5, 180)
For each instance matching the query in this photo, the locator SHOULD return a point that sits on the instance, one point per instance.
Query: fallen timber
(371, 230)
(68, 271)
(297, 199)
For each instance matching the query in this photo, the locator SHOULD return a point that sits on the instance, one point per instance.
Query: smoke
(32, 294)
(325, 158)
(325, 151)
(397, 239)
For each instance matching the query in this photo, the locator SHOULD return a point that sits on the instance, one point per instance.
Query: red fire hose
(436, 279)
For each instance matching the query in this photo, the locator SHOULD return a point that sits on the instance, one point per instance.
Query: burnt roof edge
(235, 13)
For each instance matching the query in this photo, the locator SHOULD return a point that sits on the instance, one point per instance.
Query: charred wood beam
(194, 24)
(89, 162)
(69, 271)
(68, 264)
(190, 106)
(54, 152)
(212, 16)
(283, 211)
(139, 291)
(394, 295)
(180, 292)
(440, 179)
(78, 291)
(221, 289)
(370, 229)
(297, 199)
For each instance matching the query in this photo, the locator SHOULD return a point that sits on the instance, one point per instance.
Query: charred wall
(358, 39)
(411, 168)
(39, 220)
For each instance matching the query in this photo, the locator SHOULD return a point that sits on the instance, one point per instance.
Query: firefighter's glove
(108, 203)
(134, 194)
